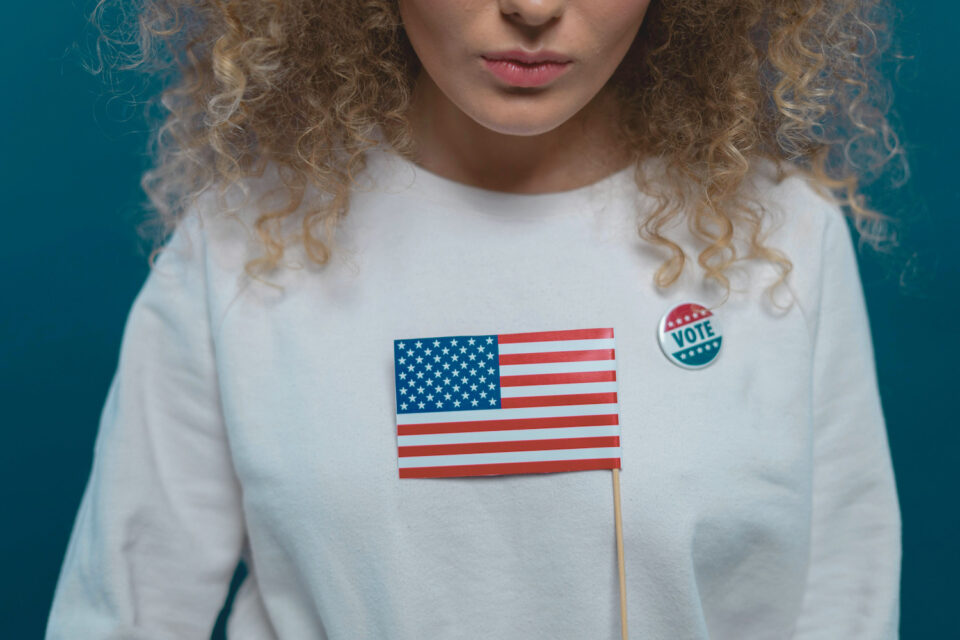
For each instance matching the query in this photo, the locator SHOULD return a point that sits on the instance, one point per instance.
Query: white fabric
(245, 420)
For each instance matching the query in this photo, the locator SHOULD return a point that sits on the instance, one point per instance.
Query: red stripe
(558, 378)
(556, 356)
(510, 467)
(517, 445)
(507, 424)
(544, 336)
(554, 401)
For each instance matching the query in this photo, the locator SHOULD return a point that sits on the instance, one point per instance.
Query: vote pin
(690, 336)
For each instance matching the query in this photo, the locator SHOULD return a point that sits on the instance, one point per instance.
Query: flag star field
(447, 374)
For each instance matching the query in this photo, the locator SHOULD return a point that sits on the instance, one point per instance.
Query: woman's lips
(525, 74)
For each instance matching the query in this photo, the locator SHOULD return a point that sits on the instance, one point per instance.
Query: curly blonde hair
(708, 87)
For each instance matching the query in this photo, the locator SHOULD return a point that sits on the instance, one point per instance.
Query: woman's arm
(853, 584)
(159, 529)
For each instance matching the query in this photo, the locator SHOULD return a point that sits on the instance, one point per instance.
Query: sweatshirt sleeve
(853, 579)
(159, 528)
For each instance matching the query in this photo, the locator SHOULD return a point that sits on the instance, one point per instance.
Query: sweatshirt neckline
(394, 173)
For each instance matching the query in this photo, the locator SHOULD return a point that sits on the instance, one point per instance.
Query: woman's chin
(512, 121)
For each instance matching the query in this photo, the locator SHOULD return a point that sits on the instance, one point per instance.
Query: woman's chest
(311, 400)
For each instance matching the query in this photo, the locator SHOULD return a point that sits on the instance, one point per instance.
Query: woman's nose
(532, 12)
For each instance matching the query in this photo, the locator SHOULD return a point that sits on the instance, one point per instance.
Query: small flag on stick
(493, 404)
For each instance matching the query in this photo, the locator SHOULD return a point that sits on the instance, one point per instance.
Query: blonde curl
(709, 87)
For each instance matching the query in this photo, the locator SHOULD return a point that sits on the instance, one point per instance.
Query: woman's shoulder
(215, 238)
(222, 221)
(797, 209)
(805, 222)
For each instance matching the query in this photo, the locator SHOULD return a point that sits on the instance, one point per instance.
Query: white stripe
(510, 436)
(556, 345)
(557, 389)
(509, 456)
(556, 367)
(434, 417)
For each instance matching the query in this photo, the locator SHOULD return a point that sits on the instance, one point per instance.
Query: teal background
(70, 165)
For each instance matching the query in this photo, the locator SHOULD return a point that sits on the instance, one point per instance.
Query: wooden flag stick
(623, 576)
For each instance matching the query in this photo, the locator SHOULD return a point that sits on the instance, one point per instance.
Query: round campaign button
(690, 336)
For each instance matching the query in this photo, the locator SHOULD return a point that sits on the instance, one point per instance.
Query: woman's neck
(581, 151)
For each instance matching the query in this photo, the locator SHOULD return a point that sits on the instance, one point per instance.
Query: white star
(454, 357)
(683, 356)
(463, 349)
(404, 406)
(483, 394)
(439, 404)
(489, 340)
(402, 360)
(454, 342)
(428, 367)
(447, 396)
(419, 359)
(489, 355)
(480, 348)
(456, 403)
(428, 351)
(409, 352)
(470, 342)
(403, 391)
(400, 346)
(402, 375)
(420, 389)
(473, 356)
(446, 351)
(493, 401)
(429, 396)
(419, 374)
(699, 349)
(418, 344)
(474, 402)
(421, 405)
(473, 387)
(473, 372)
(436, 343)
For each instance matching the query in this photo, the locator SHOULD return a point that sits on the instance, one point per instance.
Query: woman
(343, 175)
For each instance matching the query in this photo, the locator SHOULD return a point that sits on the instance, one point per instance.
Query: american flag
(482, 405)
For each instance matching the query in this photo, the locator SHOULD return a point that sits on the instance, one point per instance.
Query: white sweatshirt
(245, 421)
